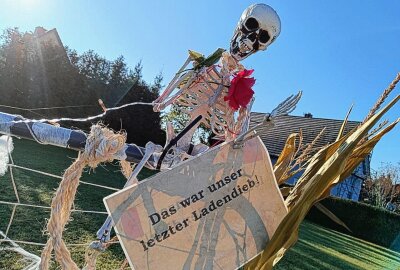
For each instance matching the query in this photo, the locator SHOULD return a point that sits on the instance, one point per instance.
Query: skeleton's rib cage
(202, 93)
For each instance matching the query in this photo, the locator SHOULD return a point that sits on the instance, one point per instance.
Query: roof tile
(275, 138)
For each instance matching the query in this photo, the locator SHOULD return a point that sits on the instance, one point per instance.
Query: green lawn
(317, 248)
(320, 248)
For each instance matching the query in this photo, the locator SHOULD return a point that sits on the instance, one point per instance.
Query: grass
(318, 248)
(29, 223)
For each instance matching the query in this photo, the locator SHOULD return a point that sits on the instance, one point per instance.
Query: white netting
(27, 189)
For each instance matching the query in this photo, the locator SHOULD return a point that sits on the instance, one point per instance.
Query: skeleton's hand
(284, 108)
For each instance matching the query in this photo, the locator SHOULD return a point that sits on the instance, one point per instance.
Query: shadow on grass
(319, 248)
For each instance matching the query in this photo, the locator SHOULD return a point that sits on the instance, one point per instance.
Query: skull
(257, 28)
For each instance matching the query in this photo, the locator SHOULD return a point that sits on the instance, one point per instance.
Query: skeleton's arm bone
(168, 101)
(284, 108)
(174, 83)
(177, 76)
(246, 117)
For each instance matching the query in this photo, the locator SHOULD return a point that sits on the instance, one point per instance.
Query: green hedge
(366, 222)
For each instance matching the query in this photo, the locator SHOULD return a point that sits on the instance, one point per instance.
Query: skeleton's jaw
(240, 49)
(240, 55)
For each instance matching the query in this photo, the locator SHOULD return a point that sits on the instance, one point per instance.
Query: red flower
(240, 92)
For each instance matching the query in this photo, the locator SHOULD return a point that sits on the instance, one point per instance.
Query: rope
(126, 168)
(101, 145)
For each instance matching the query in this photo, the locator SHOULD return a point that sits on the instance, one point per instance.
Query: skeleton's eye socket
(252, 36)
(251, 24)
(264, 36)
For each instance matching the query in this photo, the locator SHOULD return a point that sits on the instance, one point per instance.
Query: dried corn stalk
(294, 156)
(326, 168)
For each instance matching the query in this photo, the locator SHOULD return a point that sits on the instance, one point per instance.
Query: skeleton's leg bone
(103, 234)
(150, 149)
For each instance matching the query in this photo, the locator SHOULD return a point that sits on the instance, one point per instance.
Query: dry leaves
(329, 166)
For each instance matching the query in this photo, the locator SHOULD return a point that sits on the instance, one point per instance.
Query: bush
(366, 222)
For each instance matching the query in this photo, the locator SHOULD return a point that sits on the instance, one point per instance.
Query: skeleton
(200, 90)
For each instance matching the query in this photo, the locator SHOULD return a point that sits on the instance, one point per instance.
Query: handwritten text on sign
(214, 212)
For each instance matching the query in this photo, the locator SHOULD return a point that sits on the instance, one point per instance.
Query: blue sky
(337, 52)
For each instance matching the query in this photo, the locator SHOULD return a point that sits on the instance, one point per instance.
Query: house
(275, 138)
(34, 42)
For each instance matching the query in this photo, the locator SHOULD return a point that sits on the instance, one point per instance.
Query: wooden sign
(216, 211)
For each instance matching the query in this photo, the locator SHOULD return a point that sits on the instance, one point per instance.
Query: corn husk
(285, 158)
(326, 168)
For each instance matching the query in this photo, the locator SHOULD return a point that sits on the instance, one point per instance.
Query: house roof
(275, 138)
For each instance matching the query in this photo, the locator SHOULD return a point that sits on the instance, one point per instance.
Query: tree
(53, 76)
(179, 119)
(13, 67)
(157, 83)
(92, 65)
(382, 189)
(140, 122)
(136, 73)
(119, 72)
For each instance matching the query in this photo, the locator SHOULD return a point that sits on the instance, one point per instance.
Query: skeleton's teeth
(244, 46)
